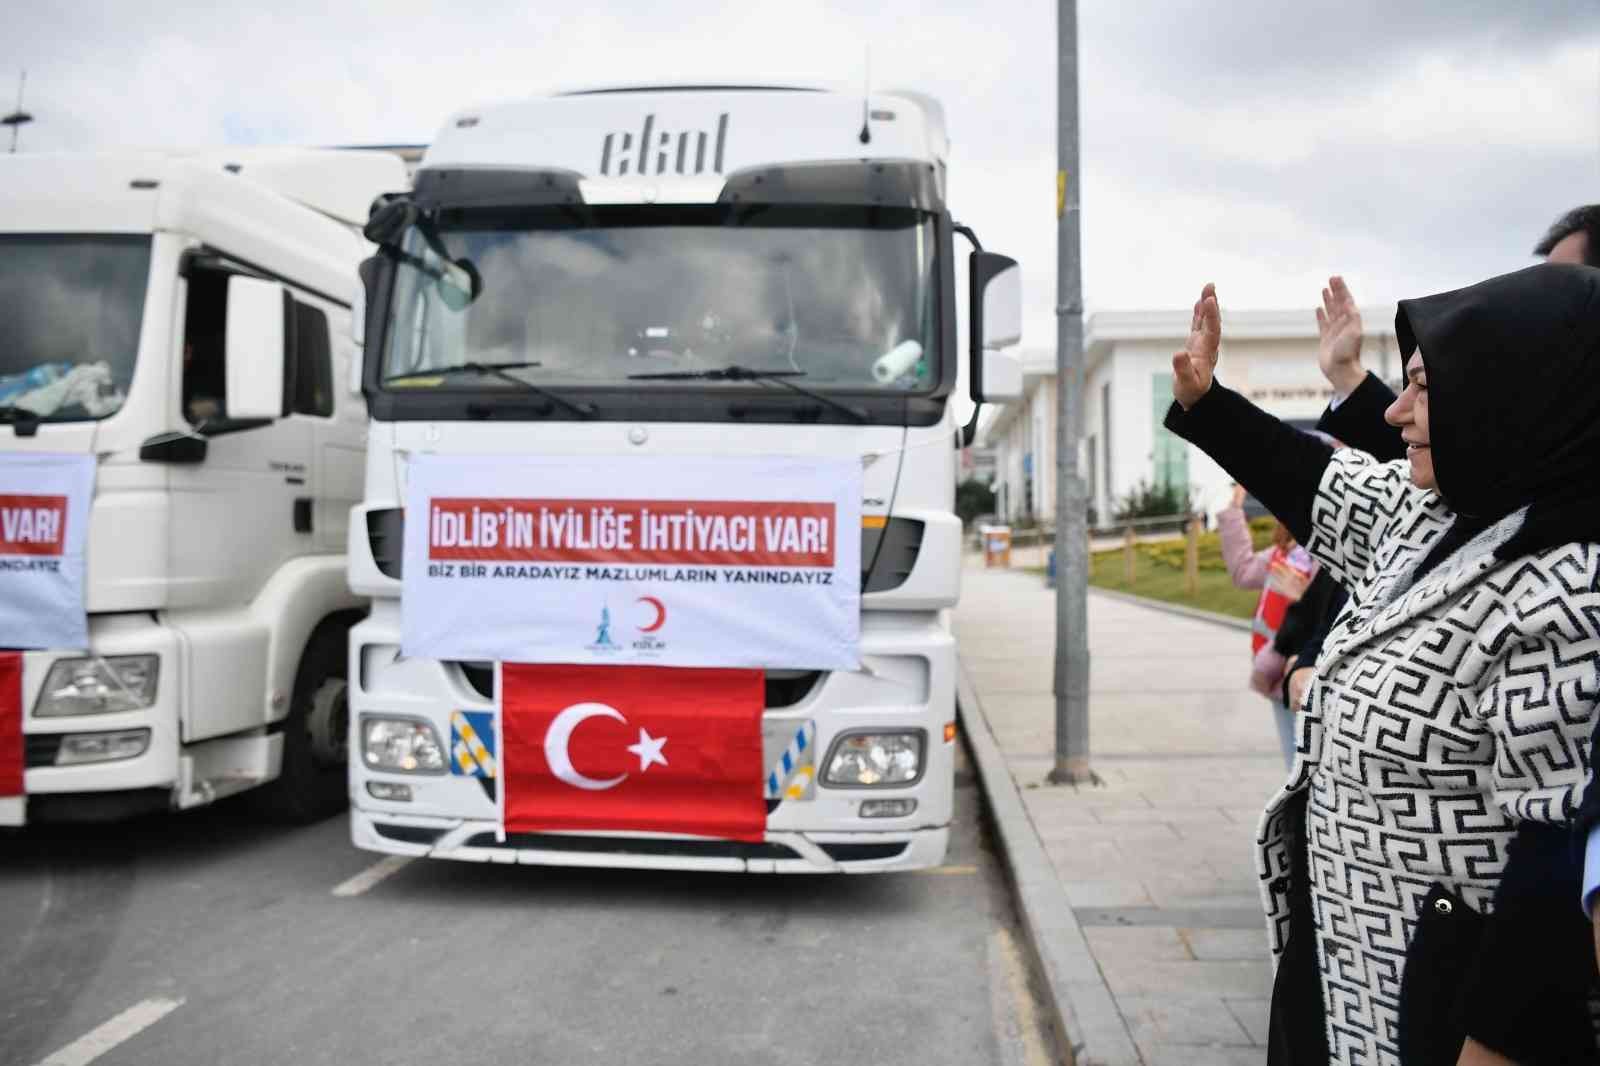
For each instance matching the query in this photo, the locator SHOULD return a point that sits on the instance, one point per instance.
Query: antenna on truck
(866, 99)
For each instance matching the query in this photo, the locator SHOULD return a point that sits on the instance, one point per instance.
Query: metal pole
(1072, 559)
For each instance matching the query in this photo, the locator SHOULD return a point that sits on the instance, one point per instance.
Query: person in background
(1574, 238)
(1446, 734)
(1282, 571)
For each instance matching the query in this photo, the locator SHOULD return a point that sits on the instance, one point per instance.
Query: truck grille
(40, 749)
(386, 536)
(785, 688)
(891, 553)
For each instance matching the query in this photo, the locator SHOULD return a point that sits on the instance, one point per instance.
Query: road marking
(1016, 1016)
(379, 871)
(130, 1023)
(948, 871)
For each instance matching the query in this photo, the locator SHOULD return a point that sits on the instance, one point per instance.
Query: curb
(1089, 1028)
(1174, 608)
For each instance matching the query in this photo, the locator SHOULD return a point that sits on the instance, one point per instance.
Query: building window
(1094, 481)
(1169, 453)
(1105, 436)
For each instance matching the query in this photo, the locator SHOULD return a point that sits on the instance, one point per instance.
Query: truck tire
(314, 781)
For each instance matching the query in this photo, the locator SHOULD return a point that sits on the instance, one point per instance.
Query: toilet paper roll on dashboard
(896, 362)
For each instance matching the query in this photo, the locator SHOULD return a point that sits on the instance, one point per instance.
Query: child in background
(1282, 573)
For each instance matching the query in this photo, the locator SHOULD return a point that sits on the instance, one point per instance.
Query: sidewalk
(1147, 881)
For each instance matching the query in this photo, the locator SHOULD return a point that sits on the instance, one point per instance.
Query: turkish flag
(10, 724)
(648, 748)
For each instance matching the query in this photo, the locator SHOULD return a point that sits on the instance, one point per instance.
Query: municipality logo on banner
(644, 624)
(577, 561)
(44, 521)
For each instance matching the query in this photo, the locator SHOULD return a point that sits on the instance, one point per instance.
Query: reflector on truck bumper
(789, 748)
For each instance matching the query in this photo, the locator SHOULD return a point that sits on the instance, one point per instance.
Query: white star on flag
(649, 750)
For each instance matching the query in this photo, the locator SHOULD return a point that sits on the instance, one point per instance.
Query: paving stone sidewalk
(1156, 863)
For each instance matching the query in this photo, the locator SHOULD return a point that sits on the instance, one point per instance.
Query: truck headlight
(101, 685)
(401, 745)
(868, 760)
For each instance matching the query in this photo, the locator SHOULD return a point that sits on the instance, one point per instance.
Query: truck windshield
(587, 297)
(70, 308)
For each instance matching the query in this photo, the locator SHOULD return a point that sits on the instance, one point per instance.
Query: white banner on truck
(671, 561)
(44, 527)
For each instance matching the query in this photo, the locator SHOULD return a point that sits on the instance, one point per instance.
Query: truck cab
(184, 318)
(620, 250)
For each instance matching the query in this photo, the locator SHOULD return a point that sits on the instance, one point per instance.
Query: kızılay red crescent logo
(660, 618)
(33, 525)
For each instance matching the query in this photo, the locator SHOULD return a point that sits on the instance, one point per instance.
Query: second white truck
(185, 320)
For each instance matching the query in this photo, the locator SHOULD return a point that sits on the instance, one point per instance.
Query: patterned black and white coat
(1449, 714)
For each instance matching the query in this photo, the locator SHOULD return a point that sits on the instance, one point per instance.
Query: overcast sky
(1258, 143)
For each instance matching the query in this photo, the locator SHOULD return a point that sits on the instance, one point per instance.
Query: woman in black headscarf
(1419, 888)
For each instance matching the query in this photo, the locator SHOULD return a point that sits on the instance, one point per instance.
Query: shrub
(1152, 501)
(973, 498)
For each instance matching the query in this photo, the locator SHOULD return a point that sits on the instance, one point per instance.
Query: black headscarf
(1513, 367)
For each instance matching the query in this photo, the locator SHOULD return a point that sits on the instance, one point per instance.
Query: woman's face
(1409, 414)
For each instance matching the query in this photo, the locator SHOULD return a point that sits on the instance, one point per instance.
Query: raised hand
(1289, 581)
(1194, 368)
(1339, 338)
(1300, 678)
(1236, 500)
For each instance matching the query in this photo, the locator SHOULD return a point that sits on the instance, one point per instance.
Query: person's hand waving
(1194, 368)
(1339, 338)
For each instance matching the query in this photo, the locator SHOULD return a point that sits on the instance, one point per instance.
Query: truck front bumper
(780, 852)
(907, 682)
(99, 791)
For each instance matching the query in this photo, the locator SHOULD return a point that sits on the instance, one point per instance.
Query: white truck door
(325, 353)
(235, 520)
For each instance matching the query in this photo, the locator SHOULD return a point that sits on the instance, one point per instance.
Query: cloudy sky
(1412, 146)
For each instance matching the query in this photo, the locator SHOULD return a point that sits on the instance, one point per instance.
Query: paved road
(208, 938)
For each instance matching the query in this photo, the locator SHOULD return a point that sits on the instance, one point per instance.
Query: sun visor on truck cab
(495, 187)
(856, 183)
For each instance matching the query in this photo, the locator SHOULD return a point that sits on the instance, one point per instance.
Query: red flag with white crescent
(11, 764)
(645, 748)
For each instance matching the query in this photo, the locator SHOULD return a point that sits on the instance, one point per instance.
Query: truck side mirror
(358, 306)
(994, 307)
(1002, 377)
(367, 304)
(254, 346)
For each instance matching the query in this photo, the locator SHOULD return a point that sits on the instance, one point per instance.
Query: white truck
(699, 271)
(183, 317)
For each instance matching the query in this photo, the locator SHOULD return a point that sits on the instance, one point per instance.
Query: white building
(1269, 356)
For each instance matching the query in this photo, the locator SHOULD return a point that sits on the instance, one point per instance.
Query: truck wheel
(314, 781)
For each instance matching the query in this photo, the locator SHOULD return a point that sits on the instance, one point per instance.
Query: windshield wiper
(25, 421)
(744, 373)
(498, 370)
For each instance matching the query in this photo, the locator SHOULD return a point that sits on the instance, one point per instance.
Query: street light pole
(1072, 551)
(18, 118)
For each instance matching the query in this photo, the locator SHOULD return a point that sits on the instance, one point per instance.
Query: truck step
(213, 769)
